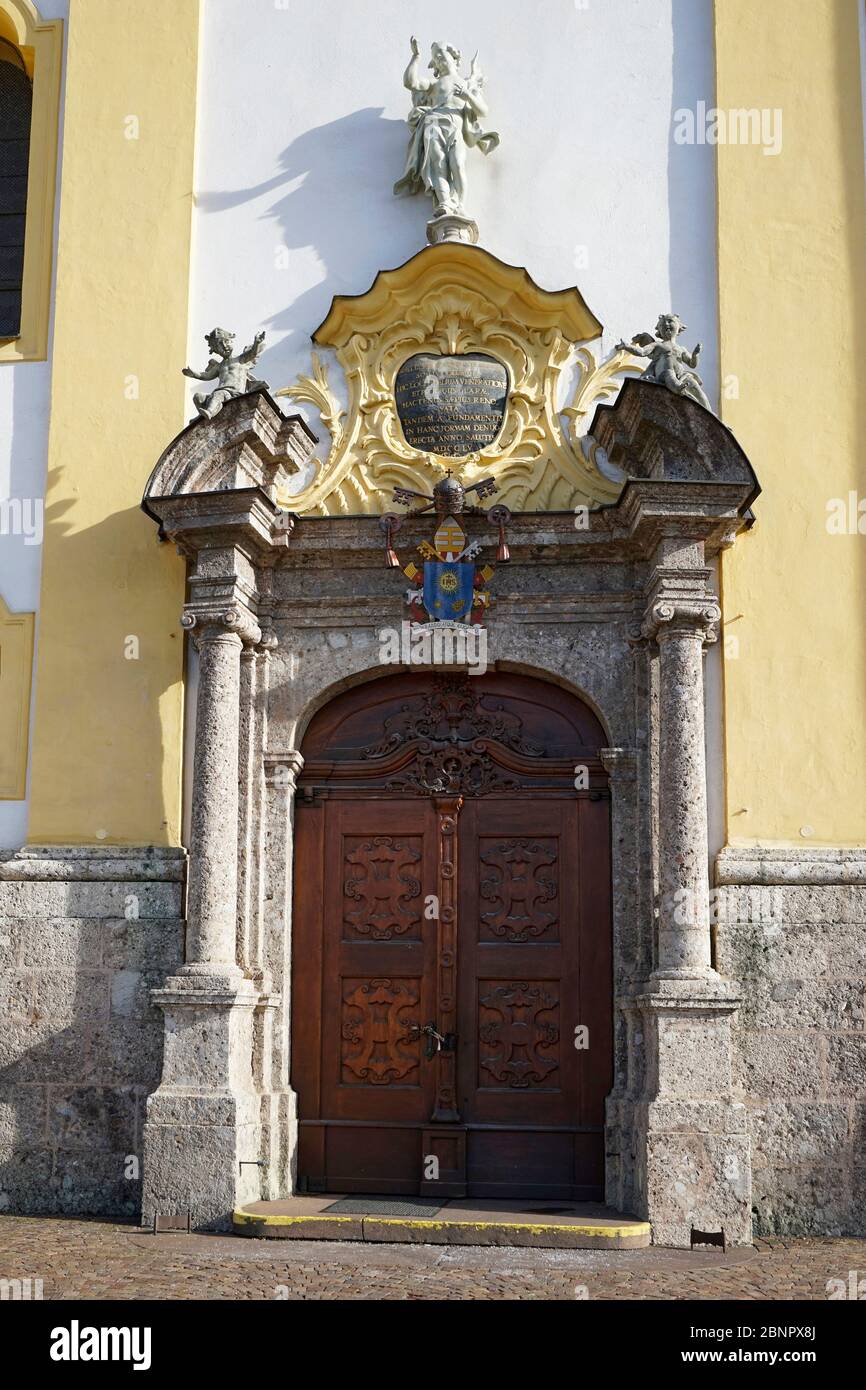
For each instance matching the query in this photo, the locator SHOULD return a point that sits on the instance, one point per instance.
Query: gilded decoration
(454, 299)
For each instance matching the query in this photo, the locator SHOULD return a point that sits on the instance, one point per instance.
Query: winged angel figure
(444, 123)
(669, 364)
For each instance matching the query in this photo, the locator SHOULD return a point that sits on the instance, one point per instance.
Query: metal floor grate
(385, 1206)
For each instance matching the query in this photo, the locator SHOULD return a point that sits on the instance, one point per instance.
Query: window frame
(40, 43)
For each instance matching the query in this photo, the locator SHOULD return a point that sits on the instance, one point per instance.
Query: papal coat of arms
(448, 586)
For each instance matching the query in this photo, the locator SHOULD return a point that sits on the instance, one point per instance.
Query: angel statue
(669, 364)
(232, 374)
(444, 123)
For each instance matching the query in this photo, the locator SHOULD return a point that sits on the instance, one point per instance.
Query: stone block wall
(791, 928)
(84, 936)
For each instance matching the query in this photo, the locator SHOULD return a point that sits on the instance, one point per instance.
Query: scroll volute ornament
(451, 299)
(699, 617)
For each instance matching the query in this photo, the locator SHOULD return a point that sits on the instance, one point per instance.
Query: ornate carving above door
(452, 736)
(454, 300)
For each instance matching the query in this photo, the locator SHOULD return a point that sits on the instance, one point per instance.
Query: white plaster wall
(24, 407)
(302, 134)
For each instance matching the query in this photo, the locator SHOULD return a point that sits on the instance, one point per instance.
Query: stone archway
(285, 610)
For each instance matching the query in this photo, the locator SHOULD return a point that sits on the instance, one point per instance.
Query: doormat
(408, 1207)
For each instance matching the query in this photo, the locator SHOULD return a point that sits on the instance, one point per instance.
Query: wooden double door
(451, 949)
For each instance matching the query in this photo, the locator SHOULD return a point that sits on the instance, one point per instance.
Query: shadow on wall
(110, 567)
(345, 222)
(692, 271)
(80, 1042)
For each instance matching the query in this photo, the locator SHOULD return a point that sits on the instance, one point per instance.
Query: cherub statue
(233, 374)
(444, 123)
(669, 364)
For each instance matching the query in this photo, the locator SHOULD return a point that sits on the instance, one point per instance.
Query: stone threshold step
(582, 1226)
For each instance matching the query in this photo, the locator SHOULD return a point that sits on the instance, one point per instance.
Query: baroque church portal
(431, 654)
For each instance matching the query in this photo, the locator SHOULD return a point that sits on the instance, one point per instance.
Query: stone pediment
(652, 434)
(248, 444)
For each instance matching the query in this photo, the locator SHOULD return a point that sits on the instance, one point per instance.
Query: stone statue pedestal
(452, 226)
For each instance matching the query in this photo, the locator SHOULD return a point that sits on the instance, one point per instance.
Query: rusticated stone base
(85, 935)
(791, 927)
(689, 1142)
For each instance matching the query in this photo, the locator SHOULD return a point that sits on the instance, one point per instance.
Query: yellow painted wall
(106, 762)
(792, 297)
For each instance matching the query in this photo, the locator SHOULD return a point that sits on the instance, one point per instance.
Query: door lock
(436, 1041)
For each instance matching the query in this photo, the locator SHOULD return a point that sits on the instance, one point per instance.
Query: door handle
(436, 1041)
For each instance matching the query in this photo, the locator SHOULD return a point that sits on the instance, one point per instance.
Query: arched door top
(453, 734)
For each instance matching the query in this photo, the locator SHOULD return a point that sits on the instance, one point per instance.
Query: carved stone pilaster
(280, 1130)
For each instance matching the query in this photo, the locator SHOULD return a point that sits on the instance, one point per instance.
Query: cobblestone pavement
(90, 1259)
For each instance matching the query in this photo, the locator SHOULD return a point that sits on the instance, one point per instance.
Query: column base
(203, 1133)
(692, 1164)
(696, 1171)
(200, 1156)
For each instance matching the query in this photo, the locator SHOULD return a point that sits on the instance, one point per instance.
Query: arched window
(16, 108)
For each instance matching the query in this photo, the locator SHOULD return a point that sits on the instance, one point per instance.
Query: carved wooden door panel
(360, 1062)
(451, 936)
(534, 967)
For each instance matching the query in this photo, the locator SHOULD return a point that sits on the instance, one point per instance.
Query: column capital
(620, 764)
(682, 617)
(214, 624)
(283, 769)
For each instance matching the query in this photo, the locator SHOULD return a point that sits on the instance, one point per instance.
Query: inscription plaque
(451, 405)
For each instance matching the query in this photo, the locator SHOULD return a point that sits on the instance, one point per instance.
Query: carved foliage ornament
(382, 889)
(457, 300)
(518, 1033)
(450, 727)
(380, 1039)
(518, 886)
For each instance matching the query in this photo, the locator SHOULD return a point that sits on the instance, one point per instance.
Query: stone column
(208, 1134)
(681, 630)
(211, 947)
(692, 1149)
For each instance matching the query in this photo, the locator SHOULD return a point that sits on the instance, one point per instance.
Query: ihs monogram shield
(448, 590)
